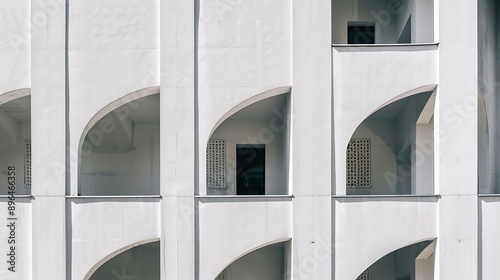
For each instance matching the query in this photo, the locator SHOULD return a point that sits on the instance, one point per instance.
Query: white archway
(413, 261)
(397, 134)
(258, 127)
(119, 147)
(271, 260)
(97, 266)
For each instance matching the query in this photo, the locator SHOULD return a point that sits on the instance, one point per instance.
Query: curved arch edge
(116, 253)
(249, 101)
(114, 105)
(415, 91)
(431, 239)
(253, 250)
(14, 94)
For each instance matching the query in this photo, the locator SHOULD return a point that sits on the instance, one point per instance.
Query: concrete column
(457, 144)
(177, 120)
(311, 139)
(48, 102)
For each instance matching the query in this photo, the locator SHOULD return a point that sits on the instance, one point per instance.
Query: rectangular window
(250, 169)
(216, 164)
(358, 163)
(361, 32)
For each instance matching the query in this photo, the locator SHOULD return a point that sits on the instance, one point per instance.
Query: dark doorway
(250, 164)
(361, 32)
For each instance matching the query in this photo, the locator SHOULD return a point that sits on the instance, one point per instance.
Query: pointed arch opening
(120, 148)
(137, 261)
(265, 263)
(392, 151)
(248, 151)
(15, 141)
(415, 262)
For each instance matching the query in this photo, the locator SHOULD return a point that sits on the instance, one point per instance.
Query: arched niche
(415, 261)
(248, 150)
(120, 148)
(137, 261)
(268, 262)
(392, 151)
(15, 140)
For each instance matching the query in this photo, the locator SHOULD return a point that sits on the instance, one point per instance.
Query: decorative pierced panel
(222, 276)
(365, 275)
(216, 162)
(358, 163)
(27, 162)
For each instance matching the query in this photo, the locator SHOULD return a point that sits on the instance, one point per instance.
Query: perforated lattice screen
(365, 275)
(222, 276)
(358, 163)
(216, 157)
(27, 162)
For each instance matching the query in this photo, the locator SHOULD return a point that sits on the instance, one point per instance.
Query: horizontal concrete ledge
(243, 198)
(111, 196)
(489, 195)
(383, 45)
(395, 196)
(17, 196)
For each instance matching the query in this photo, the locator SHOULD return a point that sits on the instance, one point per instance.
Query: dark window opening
(361, 32)
(250, 164)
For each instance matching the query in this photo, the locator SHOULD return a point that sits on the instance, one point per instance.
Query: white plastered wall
(109, 226)
(243, 225)
(113, 51)
(372, 228)
(395, 72)
(15, 45)
(244, 49)
(23, 235)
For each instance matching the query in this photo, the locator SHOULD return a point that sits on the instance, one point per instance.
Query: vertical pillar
(311, 139)
(177, 94)
(457, 143)
(48, 101)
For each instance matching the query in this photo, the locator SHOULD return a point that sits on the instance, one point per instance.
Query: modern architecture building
(249, 139)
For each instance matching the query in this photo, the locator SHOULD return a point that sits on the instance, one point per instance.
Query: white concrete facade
(107, 109)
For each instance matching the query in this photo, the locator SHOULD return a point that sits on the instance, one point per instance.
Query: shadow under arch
(399, 136)
(116, 253)
(252, 100)
(415, 91)
(15, 138)
(118, 112)
(10, 130)
(133, 96)
(286, 255)
(415, 257)
(247, 151)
